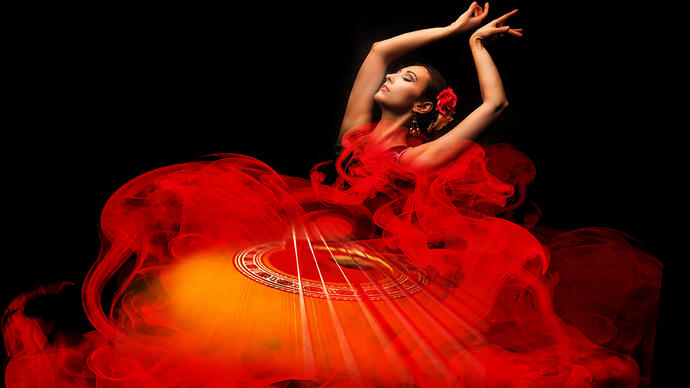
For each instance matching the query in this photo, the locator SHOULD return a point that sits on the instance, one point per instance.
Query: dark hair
(435, 86)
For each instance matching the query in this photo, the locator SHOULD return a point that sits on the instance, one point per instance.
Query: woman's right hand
(492, 30)
(469, 19)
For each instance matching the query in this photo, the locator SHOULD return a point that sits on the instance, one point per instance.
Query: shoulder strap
(398, 150)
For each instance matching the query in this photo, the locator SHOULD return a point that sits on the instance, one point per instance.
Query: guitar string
(435, 321)
(307, 347)
(457, 315)
(400, 314)
(411, 328)
(467, 296)
(445, 332)
(344, 346)
(394, 358)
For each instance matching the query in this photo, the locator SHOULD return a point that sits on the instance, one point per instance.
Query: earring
(414, 128)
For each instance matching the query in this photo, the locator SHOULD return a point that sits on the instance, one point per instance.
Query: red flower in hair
(446, 100)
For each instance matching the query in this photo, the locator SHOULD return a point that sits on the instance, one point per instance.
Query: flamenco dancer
(421, 264)
(417, 97)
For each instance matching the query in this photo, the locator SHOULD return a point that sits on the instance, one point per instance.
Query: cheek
(412, 92)
(400, 95)
(407, 93)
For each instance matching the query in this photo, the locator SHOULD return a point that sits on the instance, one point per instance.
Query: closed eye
(409, 76)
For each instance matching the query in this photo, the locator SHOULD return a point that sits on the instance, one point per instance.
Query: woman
(409, 95)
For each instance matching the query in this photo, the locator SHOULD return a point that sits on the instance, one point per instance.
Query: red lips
(385, 88)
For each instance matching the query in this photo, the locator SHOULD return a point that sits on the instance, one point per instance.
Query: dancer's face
(402, 89)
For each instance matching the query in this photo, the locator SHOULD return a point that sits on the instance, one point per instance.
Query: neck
(390, 130)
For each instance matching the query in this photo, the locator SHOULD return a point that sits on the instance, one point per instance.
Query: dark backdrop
(100, 95)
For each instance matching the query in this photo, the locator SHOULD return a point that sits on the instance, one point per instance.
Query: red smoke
(230, 274)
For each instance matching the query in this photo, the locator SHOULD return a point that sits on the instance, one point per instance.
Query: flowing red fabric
(227, 273)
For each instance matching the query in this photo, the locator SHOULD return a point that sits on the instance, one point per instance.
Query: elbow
(498, 106)
(378, 46)
(378, 49)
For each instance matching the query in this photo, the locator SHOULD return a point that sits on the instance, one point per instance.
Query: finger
(477, 10)
(472, 7)
(515, 32)
(484, 11)
(506, 16)
(499, 31)
(478, 13)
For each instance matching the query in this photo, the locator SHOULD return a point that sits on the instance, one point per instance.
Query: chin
(383, 100)
(378, 98)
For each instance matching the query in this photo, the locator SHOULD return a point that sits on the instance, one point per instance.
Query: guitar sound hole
(353, 263)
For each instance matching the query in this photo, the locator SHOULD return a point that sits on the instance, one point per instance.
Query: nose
(389, 78)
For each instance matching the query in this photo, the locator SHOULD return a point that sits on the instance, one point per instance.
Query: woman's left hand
(469, 20)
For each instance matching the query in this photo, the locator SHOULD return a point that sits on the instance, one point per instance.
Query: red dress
(230, 274)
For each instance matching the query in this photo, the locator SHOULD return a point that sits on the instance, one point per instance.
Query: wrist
(476, 42)
(449, 30)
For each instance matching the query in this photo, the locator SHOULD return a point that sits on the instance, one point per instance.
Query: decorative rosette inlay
(334, 272)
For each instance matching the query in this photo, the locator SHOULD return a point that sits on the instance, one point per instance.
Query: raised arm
(360, 105)
(446, 148)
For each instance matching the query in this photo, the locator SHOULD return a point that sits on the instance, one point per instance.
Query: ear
(422, 107)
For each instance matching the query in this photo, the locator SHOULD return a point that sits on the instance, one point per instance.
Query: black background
(99, 95)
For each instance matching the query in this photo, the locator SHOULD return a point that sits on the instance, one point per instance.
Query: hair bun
(441, 121)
